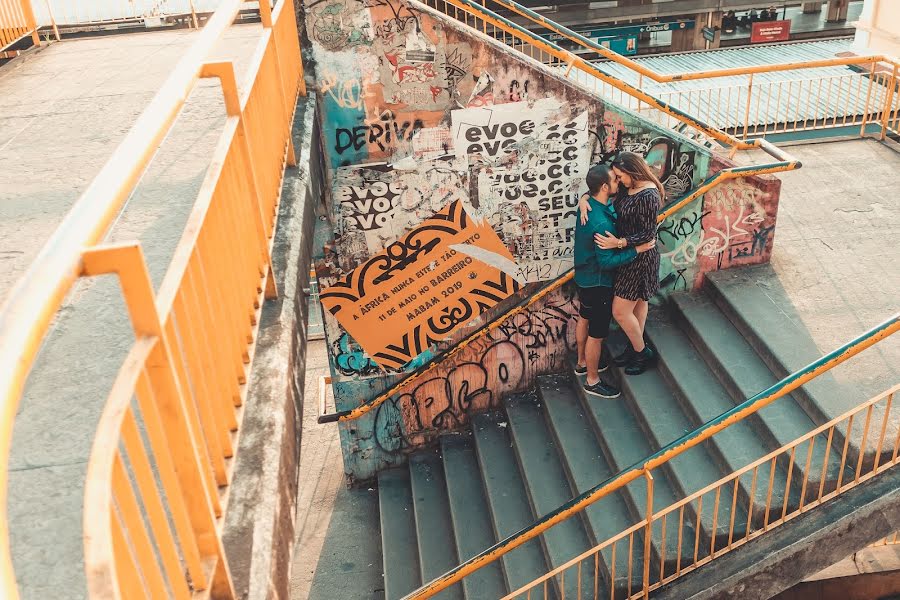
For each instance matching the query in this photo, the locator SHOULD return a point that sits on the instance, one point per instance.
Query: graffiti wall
(419, 114)
(733, 225)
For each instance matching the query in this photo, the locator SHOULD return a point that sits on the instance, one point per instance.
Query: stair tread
(625, 445)
(470, 514)
(507, 498)
(586, 467)
(703, 398)
(760, 308)
(745, 374)
(546, 481)
(433, 524)
(662, 418)
(398, 533)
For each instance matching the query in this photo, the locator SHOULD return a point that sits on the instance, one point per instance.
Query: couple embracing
(616, 265)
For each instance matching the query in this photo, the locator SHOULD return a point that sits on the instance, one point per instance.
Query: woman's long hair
(635, 166)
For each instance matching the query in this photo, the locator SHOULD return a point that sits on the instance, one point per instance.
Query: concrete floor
(836, 252)
(337, 553)
(63, 110)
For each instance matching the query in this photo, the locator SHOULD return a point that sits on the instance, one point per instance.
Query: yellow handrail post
(747, 111)
(179, 414)
(865, 117)
(888, 103)
(648, 532)
(30, 22)
(640, 87)
(194, 20)
(52, 21)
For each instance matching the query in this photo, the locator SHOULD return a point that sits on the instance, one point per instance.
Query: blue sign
(633, 30)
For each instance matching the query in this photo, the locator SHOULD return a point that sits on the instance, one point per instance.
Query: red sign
(771, 31)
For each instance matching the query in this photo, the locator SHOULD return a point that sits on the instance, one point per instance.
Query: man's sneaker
(601, 390)
(580, 369)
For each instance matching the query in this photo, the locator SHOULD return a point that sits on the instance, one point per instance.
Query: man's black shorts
(596, 307)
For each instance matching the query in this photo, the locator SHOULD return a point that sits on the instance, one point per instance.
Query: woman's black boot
(640, 361)
(624, 359)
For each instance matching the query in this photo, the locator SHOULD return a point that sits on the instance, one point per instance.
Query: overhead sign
(770, 31)
(423, 287)
(633, 30)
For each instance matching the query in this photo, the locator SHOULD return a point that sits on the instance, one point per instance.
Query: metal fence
(16, 21)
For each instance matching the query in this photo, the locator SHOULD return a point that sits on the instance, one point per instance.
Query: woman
(640, 197)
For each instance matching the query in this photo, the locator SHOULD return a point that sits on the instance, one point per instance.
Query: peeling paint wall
(417, 112)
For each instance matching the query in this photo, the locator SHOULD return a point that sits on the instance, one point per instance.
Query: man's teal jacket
(593, 265)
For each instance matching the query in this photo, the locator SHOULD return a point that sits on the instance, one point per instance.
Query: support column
(812, 8)
(837, 10)
(685, 40)
(715, 21)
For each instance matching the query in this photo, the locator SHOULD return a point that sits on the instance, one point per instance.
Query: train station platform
(804, 26)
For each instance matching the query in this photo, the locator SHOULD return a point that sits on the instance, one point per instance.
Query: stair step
(743, 374)
(624, 445)
(702, 398)
(663, 421)
(548, 488)
(760, 309)
(507, 498)
(586, 467)
(398, 534)
(471, 516)
(433, 524)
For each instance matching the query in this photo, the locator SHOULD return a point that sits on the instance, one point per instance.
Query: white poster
(529, 163)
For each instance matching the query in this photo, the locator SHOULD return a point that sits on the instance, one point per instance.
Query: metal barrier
(876, 453)
(698, 436)
(16, 22)
(194, 338)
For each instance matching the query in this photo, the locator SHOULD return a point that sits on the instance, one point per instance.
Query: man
(594, 276)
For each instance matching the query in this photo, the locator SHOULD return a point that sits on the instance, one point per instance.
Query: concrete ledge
(260, 520)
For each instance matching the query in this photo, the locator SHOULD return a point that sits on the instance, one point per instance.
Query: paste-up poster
(376, 204)
(423, 287)
(529, 162)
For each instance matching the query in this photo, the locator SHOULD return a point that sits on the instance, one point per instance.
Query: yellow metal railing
(750, 106)
(194, 338)
(872, 424)
(16, 22)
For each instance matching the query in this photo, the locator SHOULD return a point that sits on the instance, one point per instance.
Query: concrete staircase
(554, 442)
